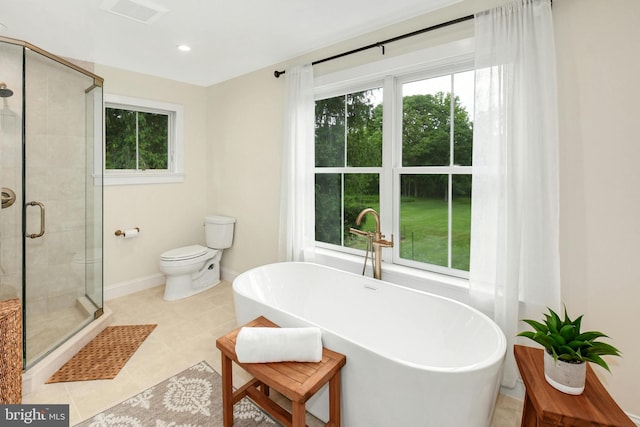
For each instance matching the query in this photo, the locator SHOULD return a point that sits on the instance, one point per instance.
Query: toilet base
(186, 285)
(171, 295)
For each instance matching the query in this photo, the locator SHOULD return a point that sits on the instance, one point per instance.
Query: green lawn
(424, 231)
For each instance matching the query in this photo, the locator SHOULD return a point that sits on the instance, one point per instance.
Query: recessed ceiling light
(184, 48)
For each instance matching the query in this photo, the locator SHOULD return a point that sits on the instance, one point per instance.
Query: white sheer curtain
(514, 244)
(296, 200)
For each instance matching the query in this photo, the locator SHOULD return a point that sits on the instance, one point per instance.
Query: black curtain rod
(382, 43)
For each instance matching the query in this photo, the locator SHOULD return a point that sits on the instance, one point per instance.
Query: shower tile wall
(11, 172)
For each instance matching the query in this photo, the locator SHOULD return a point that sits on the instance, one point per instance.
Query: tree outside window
(136, 140)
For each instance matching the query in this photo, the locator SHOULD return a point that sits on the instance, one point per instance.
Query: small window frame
(175, 166)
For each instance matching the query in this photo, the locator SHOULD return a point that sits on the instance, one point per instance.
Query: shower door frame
(99, 81)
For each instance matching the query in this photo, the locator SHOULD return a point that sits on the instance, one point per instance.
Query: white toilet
(193, 269)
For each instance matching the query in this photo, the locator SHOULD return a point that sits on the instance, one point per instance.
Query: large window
(143, 141)
(402, 146)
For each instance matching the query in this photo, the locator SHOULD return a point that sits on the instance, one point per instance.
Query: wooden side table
(544, 406)
(297, 381)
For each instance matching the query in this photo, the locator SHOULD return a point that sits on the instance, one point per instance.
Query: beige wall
(600, 207)
(244, 131)
(600, 199)
(169, 215)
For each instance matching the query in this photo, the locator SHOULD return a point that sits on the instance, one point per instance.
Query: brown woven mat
(104, 356)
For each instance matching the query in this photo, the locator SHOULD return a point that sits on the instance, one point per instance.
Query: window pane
(353, 121)
(120, 130)
(463, 88)
(153, 140)
(461, 222)
(424, 218)
(426, 124)
(364, 128)
(329, 208)
(334, 216)
(330, 132)
(361, 191)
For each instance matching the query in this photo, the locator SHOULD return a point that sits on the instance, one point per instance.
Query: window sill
(142, 178)
(426, 281)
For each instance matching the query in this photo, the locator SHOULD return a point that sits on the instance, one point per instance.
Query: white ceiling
(228, 38)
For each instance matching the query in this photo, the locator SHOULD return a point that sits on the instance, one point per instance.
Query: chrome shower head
(4, 91)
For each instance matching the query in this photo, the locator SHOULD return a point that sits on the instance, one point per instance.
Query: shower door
(51, 158)
(63, 204)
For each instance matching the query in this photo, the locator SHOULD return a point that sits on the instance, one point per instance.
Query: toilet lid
(186, 252)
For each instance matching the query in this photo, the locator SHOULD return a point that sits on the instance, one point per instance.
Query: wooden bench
(544, 406)
(295, 380)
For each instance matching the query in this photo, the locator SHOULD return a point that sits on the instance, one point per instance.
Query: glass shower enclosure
(51, 151)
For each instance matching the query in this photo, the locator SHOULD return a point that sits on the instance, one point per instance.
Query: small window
(143, 141)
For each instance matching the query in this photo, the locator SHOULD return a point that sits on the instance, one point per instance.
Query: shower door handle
(42, 220)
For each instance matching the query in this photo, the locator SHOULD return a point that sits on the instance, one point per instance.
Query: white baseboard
(133, 286)
(228, 275)
(136, 285)
(517, 392)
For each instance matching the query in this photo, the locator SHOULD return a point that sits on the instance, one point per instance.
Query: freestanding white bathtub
(413, 358)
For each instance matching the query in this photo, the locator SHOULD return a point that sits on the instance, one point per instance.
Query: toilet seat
(184, 253)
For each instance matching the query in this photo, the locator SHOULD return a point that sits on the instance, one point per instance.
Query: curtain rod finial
(277, 73)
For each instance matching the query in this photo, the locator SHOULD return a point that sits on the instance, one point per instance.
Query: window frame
(174, 172)
(390, 74)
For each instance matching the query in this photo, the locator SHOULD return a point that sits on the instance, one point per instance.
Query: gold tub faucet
(376, 242)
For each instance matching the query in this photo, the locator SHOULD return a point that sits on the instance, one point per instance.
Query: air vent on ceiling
(138, 10)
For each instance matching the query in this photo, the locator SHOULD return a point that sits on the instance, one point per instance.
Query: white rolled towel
(264, 345)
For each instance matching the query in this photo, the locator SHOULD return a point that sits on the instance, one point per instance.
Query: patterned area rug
(105, 355)
(192, 398)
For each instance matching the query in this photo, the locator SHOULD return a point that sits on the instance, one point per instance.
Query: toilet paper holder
(124, 233)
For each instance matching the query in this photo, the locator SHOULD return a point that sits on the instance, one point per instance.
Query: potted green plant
(567, 349)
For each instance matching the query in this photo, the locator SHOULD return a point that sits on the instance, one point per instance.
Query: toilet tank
(219, 231)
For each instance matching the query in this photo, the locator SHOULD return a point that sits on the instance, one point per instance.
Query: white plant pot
(567, 377)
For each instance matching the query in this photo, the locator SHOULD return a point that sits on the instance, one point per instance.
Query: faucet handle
(384, 243)
(358, 232)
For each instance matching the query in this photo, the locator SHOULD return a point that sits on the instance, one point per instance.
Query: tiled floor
(186, 334)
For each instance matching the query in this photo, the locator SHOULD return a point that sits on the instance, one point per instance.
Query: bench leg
(264, 388)
(227, 392)
(529, 416)
(298, 413)
(334, 400)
